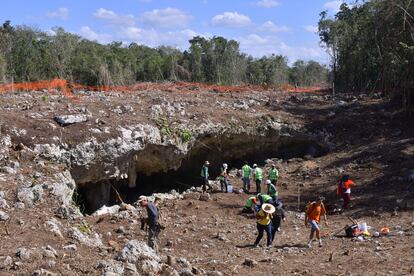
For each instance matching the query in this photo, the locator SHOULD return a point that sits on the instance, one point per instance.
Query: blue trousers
(262, 228)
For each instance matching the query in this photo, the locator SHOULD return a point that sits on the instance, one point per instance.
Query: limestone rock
(140, 254)
(6, 262)
(105, 210)
(250, 262)
(4, 216)
(204, 197)
(111, 266)
(65, 120)
(92, 239)
(53, 226)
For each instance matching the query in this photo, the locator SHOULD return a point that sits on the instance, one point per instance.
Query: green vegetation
(166, 130)
(185, 135)
(372, 46)
(28, 54)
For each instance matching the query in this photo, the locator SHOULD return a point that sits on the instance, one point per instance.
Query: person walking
(264, 217)
(151, 221)
(204, 176)
(313, 214)
(271, 190)
(258, 177)
(273, 174)
(277, 218)
(344, 189)
(224, 181)
(246, 174)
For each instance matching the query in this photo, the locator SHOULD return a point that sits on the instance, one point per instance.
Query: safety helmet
(268, 182)
(254, 165)
(224, 165)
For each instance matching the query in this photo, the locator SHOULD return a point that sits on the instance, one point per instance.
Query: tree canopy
(28, 54)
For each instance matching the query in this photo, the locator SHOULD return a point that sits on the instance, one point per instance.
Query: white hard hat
(268, 182)
(225, 165)
(254, 165)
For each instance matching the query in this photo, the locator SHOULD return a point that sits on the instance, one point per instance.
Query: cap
(268, 182)
(142, 198)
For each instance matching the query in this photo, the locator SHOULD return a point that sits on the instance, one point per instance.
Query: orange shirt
(315, 212)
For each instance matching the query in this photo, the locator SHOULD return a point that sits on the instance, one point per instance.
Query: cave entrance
(231, 150)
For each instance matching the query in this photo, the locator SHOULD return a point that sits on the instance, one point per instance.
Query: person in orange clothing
(313, 214)
(344, 189)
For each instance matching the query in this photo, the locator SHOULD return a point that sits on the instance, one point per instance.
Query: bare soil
(370, 140)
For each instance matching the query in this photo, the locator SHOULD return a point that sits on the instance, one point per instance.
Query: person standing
(313, 214)
(271, 190)
(344, 189)
(224, 181)
(277, 218)
(258, 177)
(264, 218)
(204, 176)
(151, 221)
(273, 174)
(246, 174)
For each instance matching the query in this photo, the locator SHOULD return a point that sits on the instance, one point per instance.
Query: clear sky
(263, 27)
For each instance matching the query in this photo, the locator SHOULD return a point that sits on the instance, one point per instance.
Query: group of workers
(265, 205)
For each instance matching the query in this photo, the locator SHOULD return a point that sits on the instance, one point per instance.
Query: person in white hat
(204, 176)
(224, 181)
(271, 190)
(264, 219)
(151, 220)
(258, 177)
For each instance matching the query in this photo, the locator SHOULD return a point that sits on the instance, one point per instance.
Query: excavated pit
(234, 150)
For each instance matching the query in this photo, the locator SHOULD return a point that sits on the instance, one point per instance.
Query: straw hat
(268, 208)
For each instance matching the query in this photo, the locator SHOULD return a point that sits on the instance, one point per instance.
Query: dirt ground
(369, 139)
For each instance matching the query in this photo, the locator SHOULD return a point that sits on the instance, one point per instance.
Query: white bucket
(229, 188)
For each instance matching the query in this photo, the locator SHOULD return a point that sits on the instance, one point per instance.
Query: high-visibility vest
(273, 174)
(265, 198)
(246, 171)
(259, 174)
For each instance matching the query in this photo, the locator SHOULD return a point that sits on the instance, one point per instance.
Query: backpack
(350, 231)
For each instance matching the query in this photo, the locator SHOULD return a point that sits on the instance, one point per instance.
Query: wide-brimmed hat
(268, 208)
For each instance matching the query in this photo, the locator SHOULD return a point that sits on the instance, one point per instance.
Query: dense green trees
(371, 45)
(28, 54)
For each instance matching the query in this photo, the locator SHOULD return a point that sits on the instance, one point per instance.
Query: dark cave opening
(233, 151)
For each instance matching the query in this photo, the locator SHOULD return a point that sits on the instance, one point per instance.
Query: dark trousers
(347, 200)
(261, 229)
(258, 183)
(276, 221)
(223, 184)
(204, 183)
(273, 181)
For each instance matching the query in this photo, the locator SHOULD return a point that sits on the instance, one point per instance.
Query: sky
(263, 27)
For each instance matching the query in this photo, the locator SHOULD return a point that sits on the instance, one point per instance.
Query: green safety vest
(249, 202)
(222, 174)
(273, 174)
(204, 171)
(266, 198)
(246, 171)
(259, 174)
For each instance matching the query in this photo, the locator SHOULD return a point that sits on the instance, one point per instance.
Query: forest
(371, 45)
(28, 54)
